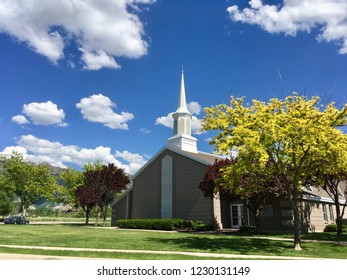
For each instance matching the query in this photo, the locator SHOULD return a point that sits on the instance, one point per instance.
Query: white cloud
(134, 161)
(41, 150)
(97, 60)
(20, 119)
(9, 150)
(145, 130)
(99, 108)
(194, 108)
(130, 157)
(166, 121)
(328, 16)
(101, 29)
(45, 113)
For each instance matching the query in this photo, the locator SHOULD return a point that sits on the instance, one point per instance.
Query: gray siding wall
(119, 210)
(146, 192)
(188, 201)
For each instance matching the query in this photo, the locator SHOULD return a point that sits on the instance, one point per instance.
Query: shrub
(247, 229)
(204, 227)
(162, 224)
(333, 228)
(330, 228)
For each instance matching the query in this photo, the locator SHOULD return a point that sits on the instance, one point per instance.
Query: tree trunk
(297, 223)
(338, 219)
(104, 214)
(87, 217)
(338, 214)
(24, 213)
(257, 221)
(97, 216)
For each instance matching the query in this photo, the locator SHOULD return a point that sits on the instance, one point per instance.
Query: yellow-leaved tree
(292, 133)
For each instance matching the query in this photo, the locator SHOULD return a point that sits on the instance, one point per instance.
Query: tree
(71, 180)
(29, 182)
(328, 174)
(107, 181)
(87, 197)
(5, 203)
(254, 189)
(290, 133)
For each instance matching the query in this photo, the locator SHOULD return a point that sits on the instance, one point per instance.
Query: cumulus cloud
(45, 113)
(293, 16)
(194, 108)
(166, 121)
(99, 108)
(20, 119)
(101, 29)
(35, 149)
(134, 161)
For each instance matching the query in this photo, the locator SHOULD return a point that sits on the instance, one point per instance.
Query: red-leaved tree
(107, 181)
(254, 189)
(87, 197)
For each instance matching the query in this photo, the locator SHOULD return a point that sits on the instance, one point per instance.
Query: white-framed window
(325, 214)
(331, 214)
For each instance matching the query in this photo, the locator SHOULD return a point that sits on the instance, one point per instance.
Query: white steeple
(182, 137)
(182, 104)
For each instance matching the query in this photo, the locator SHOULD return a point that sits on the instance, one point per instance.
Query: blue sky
(87, 80)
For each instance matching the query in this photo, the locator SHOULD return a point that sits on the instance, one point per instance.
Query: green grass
(80, 236)
(321, 236)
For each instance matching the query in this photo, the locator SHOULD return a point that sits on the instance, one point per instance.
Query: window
(325, 215)
(331, 214)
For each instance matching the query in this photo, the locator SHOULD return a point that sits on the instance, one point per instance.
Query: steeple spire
(182, 124)
(182, 103)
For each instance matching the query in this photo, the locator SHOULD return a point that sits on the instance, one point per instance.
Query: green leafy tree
(5, 203)
(71, 180)
(29, 182)
(291, 134)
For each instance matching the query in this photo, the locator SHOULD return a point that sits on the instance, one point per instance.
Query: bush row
(247, 229)
(163, 224)
(333, 228)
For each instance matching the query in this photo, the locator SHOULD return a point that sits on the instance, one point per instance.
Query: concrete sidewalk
(23, 257)
(197, 254)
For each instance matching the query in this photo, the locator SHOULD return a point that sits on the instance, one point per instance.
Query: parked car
(15, 220)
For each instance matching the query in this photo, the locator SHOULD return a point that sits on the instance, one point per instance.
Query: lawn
(80, 236)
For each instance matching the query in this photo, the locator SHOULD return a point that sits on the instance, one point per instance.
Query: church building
(167, 187)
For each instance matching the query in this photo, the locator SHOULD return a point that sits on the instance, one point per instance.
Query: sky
(87, 80)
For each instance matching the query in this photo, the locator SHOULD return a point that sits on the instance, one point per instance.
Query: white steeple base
(183, 142)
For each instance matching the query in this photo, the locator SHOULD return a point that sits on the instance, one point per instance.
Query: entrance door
(236, 215)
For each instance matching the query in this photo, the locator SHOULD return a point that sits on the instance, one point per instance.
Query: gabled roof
(201, 157)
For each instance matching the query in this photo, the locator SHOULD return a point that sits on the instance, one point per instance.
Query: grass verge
(80, 236)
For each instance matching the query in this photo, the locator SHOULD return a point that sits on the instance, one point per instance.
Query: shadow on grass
(324, 236)
(243, 246)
